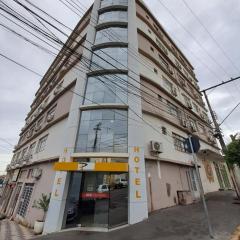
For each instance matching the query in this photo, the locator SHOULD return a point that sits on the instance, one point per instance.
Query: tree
(232, 154)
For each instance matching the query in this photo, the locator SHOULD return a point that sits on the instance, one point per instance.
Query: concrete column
(138, 210)
(55, 215)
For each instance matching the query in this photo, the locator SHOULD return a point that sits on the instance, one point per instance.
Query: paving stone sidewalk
(10, 230)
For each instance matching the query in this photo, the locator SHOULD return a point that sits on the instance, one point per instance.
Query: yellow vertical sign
(137, 180)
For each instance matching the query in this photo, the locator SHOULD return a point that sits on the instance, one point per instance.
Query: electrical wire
(229, 114)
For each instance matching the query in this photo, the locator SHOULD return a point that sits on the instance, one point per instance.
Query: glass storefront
(97, 199)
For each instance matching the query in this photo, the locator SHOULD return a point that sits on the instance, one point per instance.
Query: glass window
(167, 84)
(105, 3)
(114, 58)
(113, 16)
(41, 144)
(111, 34)
(103, 130)
(31, 149)
(179, 142)
(172, 109)
(25, 199)
(106, 89)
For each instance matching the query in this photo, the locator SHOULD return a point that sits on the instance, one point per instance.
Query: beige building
(108, 126)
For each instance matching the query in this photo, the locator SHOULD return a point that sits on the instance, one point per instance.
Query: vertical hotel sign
(138, 197)
(137, 170)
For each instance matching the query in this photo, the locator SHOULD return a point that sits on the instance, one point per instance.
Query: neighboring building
(119, 151)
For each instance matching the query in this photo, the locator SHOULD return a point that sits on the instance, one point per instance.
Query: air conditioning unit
(50, 117)
(170, 70)
(193, 127)
(38, 128)
(183, 122)
(189, 105)
(37, 173)
(156, 147)
(202, 116)
(174, 91)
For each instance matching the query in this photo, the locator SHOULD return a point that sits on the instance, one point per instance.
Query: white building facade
(105, 134)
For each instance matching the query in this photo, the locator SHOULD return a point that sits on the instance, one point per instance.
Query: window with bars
(179, 142)
(41, 144)
(25, 199)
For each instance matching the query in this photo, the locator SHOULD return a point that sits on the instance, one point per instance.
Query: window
(114, 58)
(156, 28)
(187, 101)
(164, 130)
(31, 149)
(25, 199)
(111, 34)
(51, 114)
(163, 61)
(113, 16)
(192, 124)
(195, 107)
(149, 31)
(179, 142)
(201, 129)
(24, 152)
(39, 124)
(161, 46)
(147, 17)
(160, 97)
(152, 49)
(178, 65)
(102, 89)
(103, 130)
(41, 144)
(167, 84)
(155, 70)
(172, 109)
(29, 175)
(105, 3)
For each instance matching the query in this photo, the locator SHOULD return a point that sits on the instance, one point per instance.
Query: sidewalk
(10, 230)
(176, 223)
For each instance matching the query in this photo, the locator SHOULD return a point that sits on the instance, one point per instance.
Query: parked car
(121, 183)
(103, 188)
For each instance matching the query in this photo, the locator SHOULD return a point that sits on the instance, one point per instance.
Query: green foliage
(232, 155)
(43, 202)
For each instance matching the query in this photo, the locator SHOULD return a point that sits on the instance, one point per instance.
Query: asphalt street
(180, 222)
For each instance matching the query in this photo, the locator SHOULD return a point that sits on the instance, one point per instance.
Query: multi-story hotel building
(106, 131)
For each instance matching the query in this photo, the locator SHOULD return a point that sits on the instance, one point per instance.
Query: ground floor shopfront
(97, 199)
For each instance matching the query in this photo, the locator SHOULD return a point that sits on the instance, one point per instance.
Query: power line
(211, 36)
(229, 114)
(3, 139)
(191, 35)
(109, 63)
(11, 60)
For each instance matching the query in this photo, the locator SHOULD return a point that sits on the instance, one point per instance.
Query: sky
(212, 48)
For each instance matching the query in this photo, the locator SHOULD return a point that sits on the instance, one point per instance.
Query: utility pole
(97, 128)
(219, 136)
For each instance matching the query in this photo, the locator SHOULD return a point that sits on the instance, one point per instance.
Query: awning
(210, 154)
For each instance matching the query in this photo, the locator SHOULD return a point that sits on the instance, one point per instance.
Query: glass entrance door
(118, 201)
(94, 199)
(97, 199)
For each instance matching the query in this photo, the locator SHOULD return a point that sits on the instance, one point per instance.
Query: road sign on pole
(192, 140)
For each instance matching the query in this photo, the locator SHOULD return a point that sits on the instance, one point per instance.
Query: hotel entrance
(97, 199)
